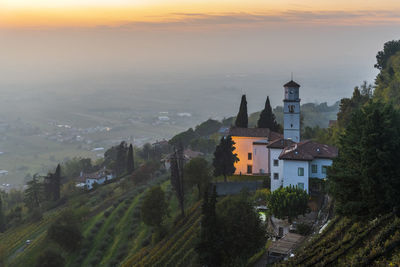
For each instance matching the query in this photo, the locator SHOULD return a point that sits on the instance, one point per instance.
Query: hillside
(111, 227)
(346, 242)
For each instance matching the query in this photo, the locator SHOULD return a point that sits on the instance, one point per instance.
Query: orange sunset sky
(89, 13)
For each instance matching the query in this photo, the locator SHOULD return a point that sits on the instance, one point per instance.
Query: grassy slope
(346, 242)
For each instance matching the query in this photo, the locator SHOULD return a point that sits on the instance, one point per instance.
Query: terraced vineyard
(349, 243)
(176, 249)
(113, 233)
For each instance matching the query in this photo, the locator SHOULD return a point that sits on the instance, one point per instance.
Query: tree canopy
(65, 231)
(50, 258)
(389, 49)
(241, 230)
(364, 177)
(154, 207)
(387, 83)
(288, 202)
(198, 173)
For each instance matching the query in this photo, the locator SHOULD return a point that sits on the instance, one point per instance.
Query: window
(324, 169)
(249, 156)
(291, 108)
(314, 168)
(300, 186)
(249, 169)
(276, 176)
(276, 162)
(300, 171)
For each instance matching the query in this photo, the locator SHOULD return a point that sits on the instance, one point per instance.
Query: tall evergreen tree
(224, 158)
(34, 193)
(2, 217)
(56, 183)
(209, 246)
(120, 162)
(130, 166)
(364, 177)
(267, 118)
(52, 184)
(242, 119)
(177, 163)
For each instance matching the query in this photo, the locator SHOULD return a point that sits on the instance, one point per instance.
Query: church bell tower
(291, 112)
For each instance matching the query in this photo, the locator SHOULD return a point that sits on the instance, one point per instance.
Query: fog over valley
(65, 92)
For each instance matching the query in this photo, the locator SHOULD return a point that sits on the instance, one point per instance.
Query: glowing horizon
(92, 13)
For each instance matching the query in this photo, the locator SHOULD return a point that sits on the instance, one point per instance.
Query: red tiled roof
(254, 132)
(96, 175)
(280, 143)
(308, 150)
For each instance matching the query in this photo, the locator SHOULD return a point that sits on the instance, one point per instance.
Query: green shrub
(50, 258)
(303, 229)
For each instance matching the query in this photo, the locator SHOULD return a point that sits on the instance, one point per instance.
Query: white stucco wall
(91, 182)
(290, 173)
(319, 163)
(243, 146)
(274, 153)
(260, 159)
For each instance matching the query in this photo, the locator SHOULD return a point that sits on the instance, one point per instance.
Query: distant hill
(312, 114)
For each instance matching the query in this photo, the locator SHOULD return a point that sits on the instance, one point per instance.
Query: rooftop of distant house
(254, 132)
(280, 143)
(94, 175)
(308, 150)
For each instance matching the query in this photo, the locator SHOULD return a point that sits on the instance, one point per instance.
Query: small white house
(276, 164)
(98, 177)
(304, 160)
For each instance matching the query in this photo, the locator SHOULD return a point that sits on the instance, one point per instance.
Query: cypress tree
(177, 162)
(120, 162)
(267, 118)
(2, 218)
(130, 166)
(242, 119)
(56, 183)
(224, 158)
(209, 248)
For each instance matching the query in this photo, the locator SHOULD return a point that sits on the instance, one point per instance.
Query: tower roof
(292, 84)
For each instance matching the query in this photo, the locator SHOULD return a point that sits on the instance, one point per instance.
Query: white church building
(287, 159)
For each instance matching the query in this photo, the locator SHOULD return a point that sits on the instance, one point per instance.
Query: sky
(252, 46)
(83, 13)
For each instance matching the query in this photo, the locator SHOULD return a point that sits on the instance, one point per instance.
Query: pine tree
(242, 119)
(130, 162)
(267, 118)
(224, 158)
